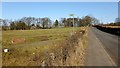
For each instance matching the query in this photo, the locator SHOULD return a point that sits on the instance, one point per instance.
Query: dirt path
(96, 54)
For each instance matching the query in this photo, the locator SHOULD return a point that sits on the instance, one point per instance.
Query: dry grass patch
(17, 40)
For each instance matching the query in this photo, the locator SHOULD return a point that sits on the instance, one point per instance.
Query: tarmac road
(109, 41)
(102, 49)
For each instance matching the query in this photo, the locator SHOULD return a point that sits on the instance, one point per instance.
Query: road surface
(102, 49)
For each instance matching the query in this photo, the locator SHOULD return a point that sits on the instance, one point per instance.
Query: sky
(104, 11)
(60, 0)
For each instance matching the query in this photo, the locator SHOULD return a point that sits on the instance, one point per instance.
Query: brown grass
(111, 26)
(68, 50)
(17, 40)
(57, 53)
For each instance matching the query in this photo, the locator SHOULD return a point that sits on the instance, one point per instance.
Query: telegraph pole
(73, 21)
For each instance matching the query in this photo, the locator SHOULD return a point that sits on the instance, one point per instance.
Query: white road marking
(106, 52)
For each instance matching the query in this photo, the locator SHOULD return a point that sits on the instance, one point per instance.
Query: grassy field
(29, 47)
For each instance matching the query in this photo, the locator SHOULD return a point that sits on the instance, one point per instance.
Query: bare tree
(64, 21)
(28, 21)
(45, 22)
(5, 24)
(38, 24)
(94, 21)
(1, 21)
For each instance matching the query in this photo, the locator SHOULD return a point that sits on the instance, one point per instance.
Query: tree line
(27, 23)
(115, 23)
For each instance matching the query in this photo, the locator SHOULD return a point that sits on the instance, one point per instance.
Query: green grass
(36, 41)
(37, 35)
